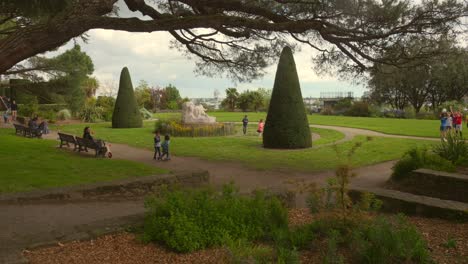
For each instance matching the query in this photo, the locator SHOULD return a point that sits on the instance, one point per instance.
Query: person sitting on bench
(87, 135)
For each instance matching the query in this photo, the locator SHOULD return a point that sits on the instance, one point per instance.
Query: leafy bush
(454, 149)
(331, 255)
(145, 114)
(64, 114)
(359, 109)
(49, 115)
(29, 109)
(420, 158)
(52, 107)
(177, 128)
(327, 111)
(242, 251)
(389, 240)
(90, 112)
(107, 103)
(195, 219)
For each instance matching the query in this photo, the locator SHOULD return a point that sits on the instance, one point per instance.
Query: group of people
(451, 122)
(245, 123)
(36, 124)
(158, 145)
(10, 114)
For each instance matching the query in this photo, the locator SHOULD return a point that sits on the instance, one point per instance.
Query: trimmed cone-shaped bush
(126, 112)
(287, 126)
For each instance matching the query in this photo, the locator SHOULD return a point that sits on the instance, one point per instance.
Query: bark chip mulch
(124, 248)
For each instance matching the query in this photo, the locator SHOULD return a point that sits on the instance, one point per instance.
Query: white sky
(149, 58)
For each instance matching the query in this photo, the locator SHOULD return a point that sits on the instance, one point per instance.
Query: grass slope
(28, 164)
(407, 127)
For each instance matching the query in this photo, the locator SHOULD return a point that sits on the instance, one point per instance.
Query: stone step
(439, 184)
(412, 204)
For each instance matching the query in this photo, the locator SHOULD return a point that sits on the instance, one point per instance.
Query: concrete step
(412, 204)
(439, 184)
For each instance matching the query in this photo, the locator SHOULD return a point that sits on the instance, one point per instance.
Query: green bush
(64, 114)
(126, 113)
(52, 107)
(107, 103)
(359, 109)
(49, 115)
(454, 149)
(286, 124)
(145, 114)
(29, 109)
(242, 251)
(420, 158)
(389, 240)
(331, 255)
(90, 112)
(196, 219)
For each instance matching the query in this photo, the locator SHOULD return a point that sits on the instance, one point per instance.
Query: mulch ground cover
(447, 242)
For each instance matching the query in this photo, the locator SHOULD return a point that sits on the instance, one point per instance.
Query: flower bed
(177, 128)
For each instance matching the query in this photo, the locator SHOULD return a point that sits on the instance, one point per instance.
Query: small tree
(126, 113)
(287, 125)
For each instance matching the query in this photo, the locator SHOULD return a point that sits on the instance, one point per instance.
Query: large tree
(238, 37)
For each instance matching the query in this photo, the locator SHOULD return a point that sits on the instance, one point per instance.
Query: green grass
(407, 127)
(248, 150)
(27, 164)
(143, 137)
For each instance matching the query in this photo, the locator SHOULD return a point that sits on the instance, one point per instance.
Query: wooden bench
(26, 131)
(66, 139)
(85, 144)
(19, 129)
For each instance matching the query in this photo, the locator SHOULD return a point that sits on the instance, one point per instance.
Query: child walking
(165, 147)
(260, 127)
(157, 146)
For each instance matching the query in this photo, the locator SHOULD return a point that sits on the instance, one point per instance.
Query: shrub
(242, 251)
(145, 114)
(331, 255)
(389, 240)
(64, 114)
(454, 149)
(126, 113)
(107, 103)
(90, 112)
(195, 219)
(286, 124)
(327, 111)
(49, 115)
(359, 109)
(177, 128)
(420, 158)
(29, 109)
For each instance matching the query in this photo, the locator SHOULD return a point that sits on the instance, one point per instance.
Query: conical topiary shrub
(126, 113)
(287, 125)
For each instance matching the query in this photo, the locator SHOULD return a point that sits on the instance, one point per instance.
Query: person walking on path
(157, 146)
(245, 123)
(165, 148)
(457, 120)
(443, 123)
(260, 127)
(14, 110)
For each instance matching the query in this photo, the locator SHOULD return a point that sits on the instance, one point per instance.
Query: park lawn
(143, 137)
(396, 126)
(248, 149)
(29, 164)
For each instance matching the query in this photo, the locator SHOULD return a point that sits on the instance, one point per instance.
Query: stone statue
(195, 114)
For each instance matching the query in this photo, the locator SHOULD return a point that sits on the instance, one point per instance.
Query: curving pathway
(25, 224)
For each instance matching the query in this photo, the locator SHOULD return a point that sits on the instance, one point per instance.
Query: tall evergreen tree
(287, 125)
(126, 112)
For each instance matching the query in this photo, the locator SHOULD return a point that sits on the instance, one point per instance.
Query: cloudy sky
(149, 57)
